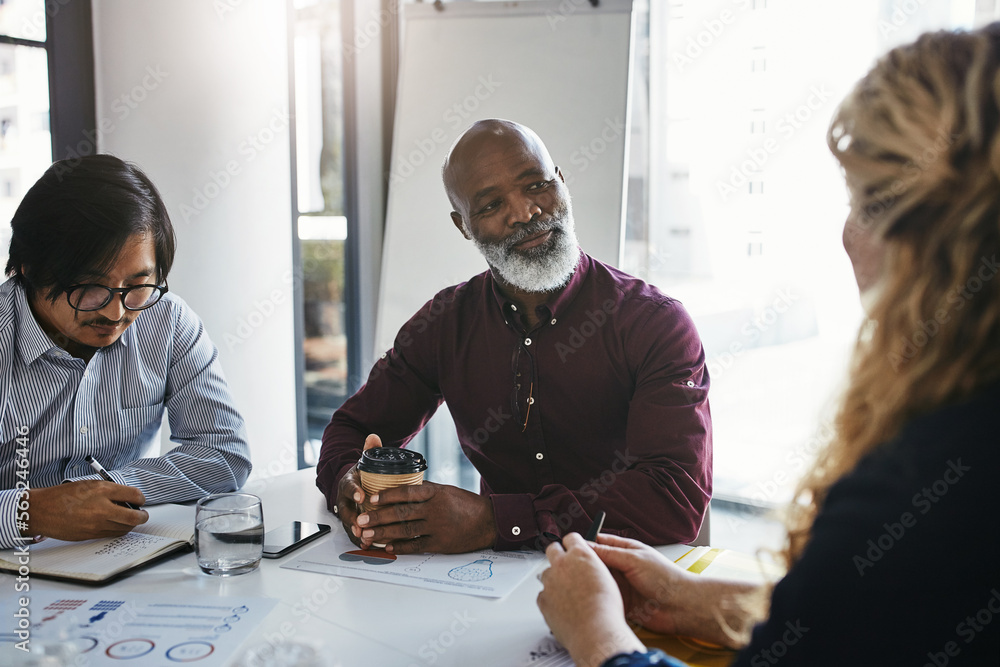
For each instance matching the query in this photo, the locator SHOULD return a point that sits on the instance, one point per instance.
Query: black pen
(99, 469)
(595, 527)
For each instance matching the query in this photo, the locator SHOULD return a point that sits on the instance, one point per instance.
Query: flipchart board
(562, 68)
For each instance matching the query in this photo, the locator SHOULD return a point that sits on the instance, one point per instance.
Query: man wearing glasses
(93, 347)
(575, 388)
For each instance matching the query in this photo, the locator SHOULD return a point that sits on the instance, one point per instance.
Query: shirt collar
(32, 342)
(557, 301)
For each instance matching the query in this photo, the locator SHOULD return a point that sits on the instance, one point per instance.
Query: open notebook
(170, 528)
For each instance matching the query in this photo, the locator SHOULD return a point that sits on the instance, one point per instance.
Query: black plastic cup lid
(391, 461)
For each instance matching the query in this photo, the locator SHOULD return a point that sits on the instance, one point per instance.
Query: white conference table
(357, 622)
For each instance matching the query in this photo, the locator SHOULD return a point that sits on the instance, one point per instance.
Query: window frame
(69, 48)
(366, 159)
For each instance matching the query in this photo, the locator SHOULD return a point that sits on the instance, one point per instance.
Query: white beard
(544, 268)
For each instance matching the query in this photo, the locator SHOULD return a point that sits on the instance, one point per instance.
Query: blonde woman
(893, 542)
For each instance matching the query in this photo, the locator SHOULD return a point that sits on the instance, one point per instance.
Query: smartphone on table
(289, 537)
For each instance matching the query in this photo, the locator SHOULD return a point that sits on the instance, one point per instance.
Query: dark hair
(77, 218)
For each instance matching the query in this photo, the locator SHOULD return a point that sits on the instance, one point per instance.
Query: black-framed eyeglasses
(87, 298)
(523, 375)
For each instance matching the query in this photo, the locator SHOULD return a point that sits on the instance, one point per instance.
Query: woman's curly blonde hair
(919, 143)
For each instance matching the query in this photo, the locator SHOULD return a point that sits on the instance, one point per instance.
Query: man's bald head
(476, 143)
(511, 201)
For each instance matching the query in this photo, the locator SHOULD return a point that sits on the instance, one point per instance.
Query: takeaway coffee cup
(383, 468)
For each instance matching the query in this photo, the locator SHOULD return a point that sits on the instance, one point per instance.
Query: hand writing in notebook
(84, 510)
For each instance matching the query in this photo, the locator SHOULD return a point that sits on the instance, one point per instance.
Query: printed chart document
(170, 528)
(720, 563)
(486, 573)
(106, 628)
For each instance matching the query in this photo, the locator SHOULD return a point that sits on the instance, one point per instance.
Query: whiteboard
(562, 68)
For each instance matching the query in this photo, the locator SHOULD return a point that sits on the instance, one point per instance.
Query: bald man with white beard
(575, 388)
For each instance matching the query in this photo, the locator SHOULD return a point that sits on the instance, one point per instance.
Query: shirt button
(514, 308)
(690, 383)
(516, 530)
(539, 456)
(553, 321)
(527, 341)
(383, 355)
(531, 400)
(83, 429)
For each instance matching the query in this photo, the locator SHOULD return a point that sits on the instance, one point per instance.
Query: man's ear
(559, 174)
(456, 218)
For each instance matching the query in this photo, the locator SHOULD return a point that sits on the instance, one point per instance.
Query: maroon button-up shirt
(602, 406)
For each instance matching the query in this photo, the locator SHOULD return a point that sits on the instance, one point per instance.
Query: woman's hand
(662, 597)
(653, 589)
(582, 604)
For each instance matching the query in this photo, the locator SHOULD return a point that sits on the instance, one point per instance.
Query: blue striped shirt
(55, 409)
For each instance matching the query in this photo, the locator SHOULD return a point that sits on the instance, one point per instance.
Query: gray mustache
(530, 230)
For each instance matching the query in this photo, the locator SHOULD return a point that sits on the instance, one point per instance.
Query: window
(320, 218)
(747, 206)
(25, 136)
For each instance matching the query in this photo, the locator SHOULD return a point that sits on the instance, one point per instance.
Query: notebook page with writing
(95, 559)
(169, 527)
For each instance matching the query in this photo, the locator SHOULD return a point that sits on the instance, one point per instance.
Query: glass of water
(229, 533)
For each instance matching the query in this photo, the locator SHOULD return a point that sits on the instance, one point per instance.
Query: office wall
(196, 93)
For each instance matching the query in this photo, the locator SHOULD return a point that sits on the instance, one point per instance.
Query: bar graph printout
(103, 628)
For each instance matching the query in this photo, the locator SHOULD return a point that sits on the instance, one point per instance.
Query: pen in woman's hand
(595, 527)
